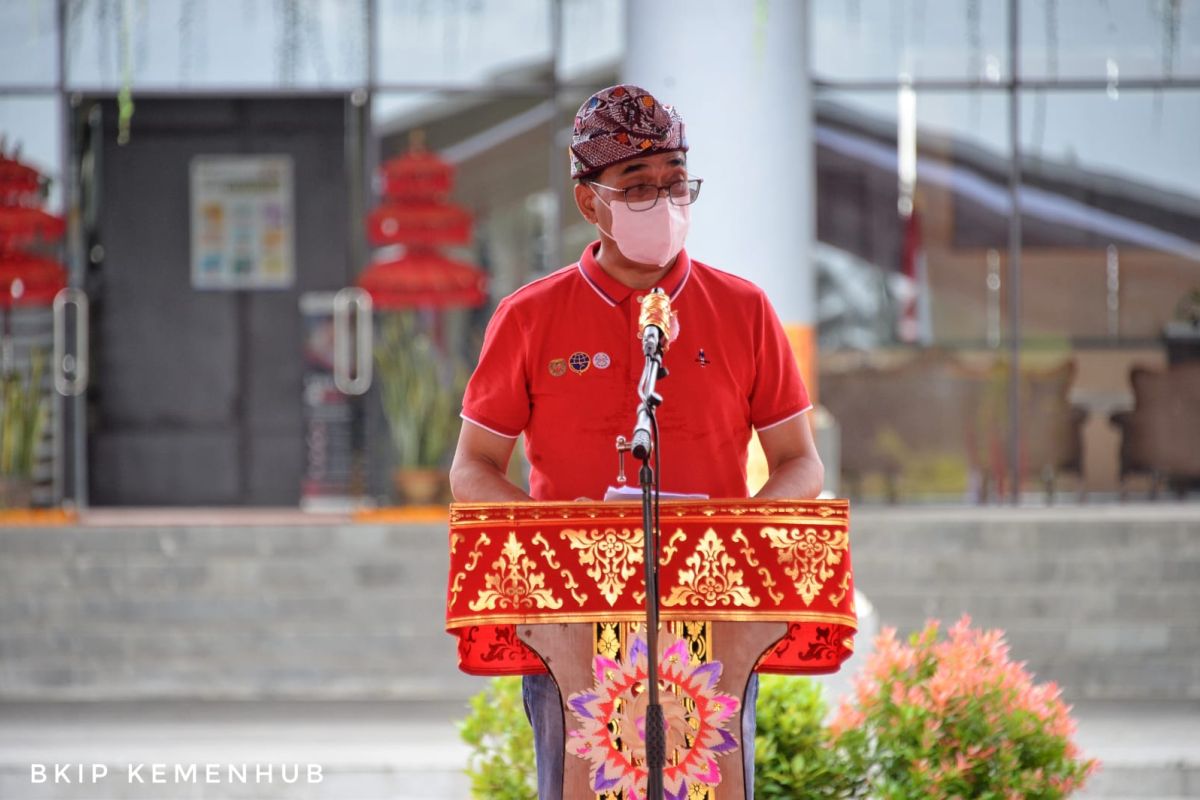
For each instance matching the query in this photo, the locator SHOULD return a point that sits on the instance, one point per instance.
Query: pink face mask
(649, 237)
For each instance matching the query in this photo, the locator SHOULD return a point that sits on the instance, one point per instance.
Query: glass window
(876, 259)
(32, 126)
(1110, 41)
(217, 44)
(29, 43)
(912, 229)
(880, 40)
(464, 43)
(1110, 212)
(500, 147)
(1110, 279)
(593, 39)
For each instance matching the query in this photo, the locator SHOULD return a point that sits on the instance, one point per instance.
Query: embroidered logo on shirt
(702, 359)
(579, 362)
(601, 361)
(558, 367)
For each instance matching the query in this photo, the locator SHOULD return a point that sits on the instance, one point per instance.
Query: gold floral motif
(456, 588)
(477, 551)
(571, 585)
(608, 640)
(514, 584)
(548, 554)
(668, 552)
(698, 636)
(747, 550)
(769, 584)
(837, 599)
(807, 555)
(611, 556)
(711, 579)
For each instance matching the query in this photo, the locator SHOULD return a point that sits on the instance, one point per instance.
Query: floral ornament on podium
(612, 714)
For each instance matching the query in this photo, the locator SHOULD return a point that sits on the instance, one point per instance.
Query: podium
(746, 585)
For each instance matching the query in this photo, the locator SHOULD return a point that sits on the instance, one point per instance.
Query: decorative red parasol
(415, 214)
(21, 226)
(417, 174)
(26, 278)
(423, 277)
(19, 183)
(420, 223)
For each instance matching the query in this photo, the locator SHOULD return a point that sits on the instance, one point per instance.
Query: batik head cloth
(620, 123)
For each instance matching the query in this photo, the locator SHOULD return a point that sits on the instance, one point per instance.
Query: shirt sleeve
(778, 393)
(497, 395)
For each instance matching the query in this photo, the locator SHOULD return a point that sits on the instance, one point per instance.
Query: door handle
(71, 369)
(356, 349)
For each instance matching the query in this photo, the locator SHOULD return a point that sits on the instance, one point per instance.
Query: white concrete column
(737, 72)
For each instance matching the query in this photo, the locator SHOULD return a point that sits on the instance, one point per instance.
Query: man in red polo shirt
(561, 360)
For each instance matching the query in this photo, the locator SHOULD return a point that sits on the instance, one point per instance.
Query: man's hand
(795, 469)
(479, 471)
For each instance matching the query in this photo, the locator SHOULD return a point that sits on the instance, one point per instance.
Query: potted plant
(23, 415)
(955, 717)
(419, 388)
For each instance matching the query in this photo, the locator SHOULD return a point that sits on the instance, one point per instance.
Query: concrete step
(334, 610)
(378, 751)
(366, 751)
(1147, 750)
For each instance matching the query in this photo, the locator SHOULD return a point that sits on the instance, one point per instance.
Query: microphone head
(656, 311)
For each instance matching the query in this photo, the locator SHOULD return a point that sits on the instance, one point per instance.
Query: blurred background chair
(1160, 437)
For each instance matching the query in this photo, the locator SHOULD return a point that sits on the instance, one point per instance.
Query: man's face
(660, 169)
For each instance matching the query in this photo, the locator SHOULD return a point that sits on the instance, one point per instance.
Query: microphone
(654, 322)
(654, 329)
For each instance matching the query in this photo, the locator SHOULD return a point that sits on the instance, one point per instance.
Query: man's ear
(585, 201)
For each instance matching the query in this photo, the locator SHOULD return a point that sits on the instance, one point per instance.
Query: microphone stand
(643, 445)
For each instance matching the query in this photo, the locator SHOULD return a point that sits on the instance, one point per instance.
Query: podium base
(568, 649)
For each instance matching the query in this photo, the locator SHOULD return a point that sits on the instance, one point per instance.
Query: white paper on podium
(635, 493)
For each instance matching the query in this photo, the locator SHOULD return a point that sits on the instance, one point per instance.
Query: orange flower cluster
(955, 717)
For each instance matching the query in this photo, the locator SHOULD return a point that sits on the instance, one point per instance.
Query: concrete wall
(314, 611)
(1101, 599)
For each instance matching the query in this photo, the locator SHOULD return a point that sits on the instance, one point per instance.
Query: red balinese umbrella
(417, 174)
(424, 278)
(28, 280)
(415, 214)
(419, 222)
(21, 226)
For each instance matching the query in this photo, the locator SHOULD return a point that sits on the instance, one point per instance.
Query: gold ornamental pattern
(514, 583)
(571, 563)
(711, 579)
(808, 556)
(610, 555)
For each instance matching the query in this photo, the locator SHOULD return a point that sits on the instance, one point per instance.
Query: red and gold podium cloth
(520, 563)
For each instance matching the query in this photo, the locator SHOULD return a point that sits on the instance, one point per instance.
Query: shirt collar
(614, 292)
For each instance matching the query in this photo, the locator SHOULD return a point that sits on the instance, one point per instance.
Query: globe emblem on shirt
(579, 362)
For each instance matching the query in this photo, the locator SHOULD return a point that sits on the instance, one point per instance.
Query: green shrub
(500, 765)
(955, 718)
(793, 753)
(931, 720)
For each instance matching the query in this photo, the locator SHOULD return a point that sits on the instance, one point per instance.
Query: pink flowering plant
(955, 718)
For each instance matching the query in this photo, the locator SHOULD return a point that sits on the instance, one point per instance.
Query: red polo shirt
(561, 362)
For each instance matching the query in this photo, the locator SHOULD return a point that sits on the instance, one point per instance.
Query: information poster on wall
(242, 227)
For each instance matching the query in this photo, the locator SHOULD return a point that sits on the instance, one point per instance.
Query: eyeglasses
(643, 197)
